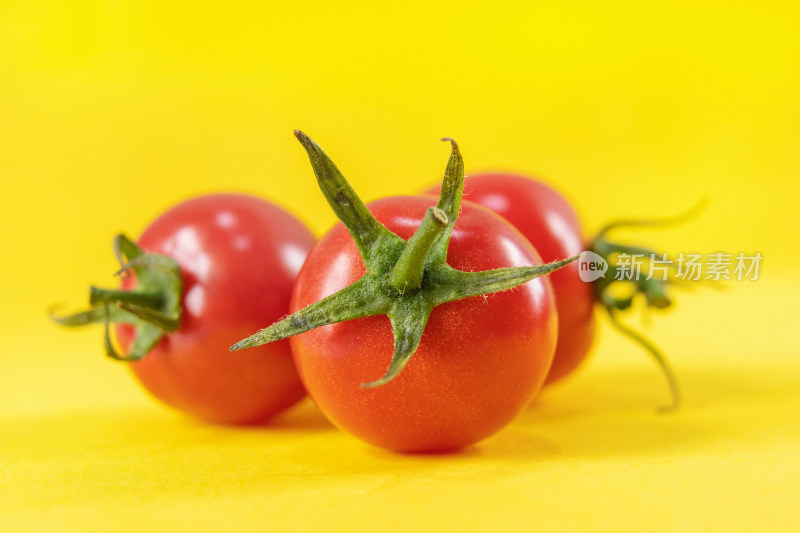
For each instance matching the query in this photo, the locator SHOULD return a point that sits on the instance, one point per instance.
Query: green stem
(655, 293)
(407, 273)
(655, 353)
(664, 222)
(654, 290)
(151, 300)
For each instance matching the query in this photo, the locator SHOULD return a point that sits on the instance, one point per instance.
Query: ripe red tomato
(550, 223)
(480, 362)
(239, 256)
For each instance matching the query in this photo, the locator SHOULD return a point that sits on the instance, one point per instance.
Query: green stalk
(153, 306)
(98, 296)
(653, 291)
(407, 273)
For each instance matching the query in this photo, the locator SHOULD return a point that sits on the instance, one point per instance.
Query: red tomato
(481, 359)
(548, 221)
(239, 256)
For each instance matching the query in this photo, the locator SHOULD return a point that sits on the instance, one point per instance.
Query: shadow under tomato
(642, 390)
(466, 452)
(304, 416)
(510, 443)
(613, 411)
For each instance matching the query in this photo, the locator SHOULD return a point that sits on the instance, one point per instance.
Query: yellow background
(111, 111)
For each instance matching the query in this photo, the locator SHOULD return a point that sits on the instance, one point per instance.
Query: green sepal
(369, 235)
(354, 301)
(449, 201)
(450, 284)
(408, 324)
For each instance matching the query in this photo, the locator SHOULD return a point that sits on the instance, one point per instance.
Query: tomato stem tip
(410, 267)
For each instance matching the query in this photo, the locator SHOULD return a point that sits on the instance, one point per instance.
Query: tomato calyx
(153, 306)
(651, 289)
(404, 280)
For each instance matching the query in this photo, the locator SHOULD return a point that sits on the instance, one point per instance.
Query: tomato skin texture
(479, 364)
(550, 223)
(239, 257)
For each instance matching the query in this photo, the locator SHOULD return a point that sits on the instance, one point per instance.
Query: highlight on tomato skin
(236, 258)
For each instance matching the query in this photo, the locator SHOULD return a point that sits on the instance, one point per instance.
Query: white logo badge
(591, 266)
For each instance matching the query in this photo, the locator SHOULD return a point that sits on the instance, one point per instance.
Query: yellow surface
(112, 111)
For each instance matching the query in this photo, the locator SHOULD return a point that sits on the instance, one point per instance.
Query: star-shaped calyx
(404, 280)
(153, 306)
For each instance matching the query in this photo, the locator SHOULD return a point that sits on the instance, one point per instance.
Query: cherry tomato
(239, 256)
(550, 223)
(480, 362)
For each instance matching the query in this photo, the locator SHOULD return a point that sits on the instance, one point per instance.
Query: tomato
(238, 256)
(550, 223)
(456, 287)
(480, 361)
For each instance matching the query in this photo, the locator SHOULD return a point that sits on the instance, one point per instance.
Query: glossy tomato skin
(550, 223)
(239, 257)
(480, 362)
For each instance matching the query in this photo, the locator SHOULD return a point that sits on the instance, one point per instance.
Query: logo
(591, 266)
